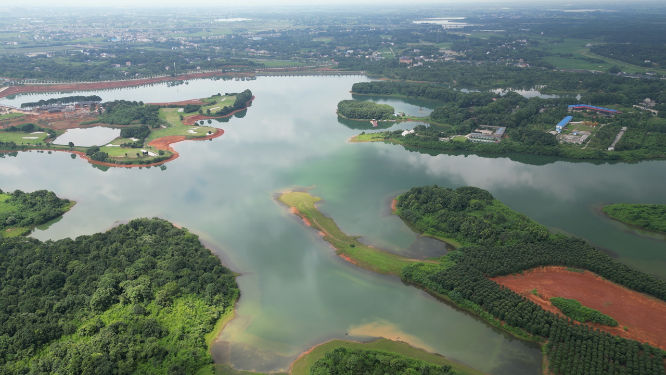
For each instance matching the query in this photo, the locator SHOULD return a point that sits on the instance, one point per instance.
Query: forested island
(498, 241)
(647, 216)
(139, 298)
(20, 212)
(358, 110)
(629, 134)
(146, 132)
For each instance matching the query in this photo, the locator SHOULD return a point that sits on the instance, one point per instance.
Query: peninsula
(146, 130)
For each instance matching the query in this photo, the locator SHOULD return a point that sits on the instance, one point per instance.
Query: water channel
(295, 292)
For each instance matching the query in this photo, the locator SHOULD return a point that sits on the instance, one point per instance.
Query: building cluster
(58, 108)
(598, 110)
(488, 134)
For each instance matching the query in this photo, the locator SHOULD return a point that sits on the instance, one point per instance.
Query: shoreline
(218, 133)
(635, 229)
(399, 347)
(93, 86)
(164, 144)
(347, 247)
(205, 117)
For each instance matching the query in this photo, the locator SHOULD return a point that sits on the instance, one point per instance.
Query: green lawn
(19, 137)
(222, 101)
(460, 138)
(325, 40)
(199, 131)
(10, 116)
(171, 115)
(348, 246)
(302, 365)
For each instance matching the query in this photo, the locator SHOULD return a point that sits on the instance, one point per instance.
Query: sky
(225, 3)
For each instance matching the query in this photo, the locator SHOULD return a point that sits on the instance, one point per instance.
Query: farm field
(644, 317)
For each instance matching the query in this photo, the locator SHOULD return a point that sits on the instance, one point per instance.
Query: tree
(71, 144)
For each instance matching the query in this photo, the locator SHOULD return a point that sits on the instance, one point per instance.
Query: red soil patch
(645, 317)
(107, 85)
(394, 204)
(348, 259)
(296, 212)
(182, 102)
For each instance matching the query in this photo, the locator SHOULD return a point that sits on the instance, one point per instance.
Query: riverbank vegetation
(138, 298)
(530, 124)
(304, 363)
(344, 360)
(361, 110)
(576, 311)
(20, 211)
(648, 216)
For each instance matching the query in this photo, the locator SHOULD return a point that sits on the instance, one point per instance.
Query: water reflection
(295, 291)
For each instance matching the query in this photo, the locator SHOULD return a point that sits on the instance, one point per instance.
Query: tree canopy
(135, 299)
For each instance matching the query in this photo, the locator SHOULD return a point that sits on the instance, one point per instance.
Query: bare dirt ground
(182, 102)
(644, 316)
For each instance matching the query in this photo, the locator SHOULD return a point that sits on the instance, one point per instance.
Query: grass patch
(348, 247)
(460, 138)
(19, 137)
(171, 115)
(11, 116)
(575, 310)
(647, 216)
(199, 131)
(302, 365)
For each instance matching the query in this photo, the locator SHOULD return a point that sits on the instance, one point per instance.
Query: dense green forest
(63, 100)
(469, 215)
(138, 298)
(20, 211)
(123, 112)
(607, 87)
(355, 109)
(571, 347)
(344, 361)
(648, 216)
(576, 311)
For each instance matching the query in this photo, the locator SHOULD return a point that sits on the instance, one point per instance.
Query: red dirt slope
(644, 316)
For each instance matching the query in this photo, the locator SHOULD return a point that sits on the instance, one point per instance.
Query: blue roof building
(562, 124)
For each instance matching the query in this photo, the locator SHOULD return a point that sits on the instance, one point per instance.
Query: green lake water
(295, 292)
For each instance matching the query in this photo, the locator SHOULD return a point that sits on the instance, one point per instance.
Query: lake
(295, 291)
